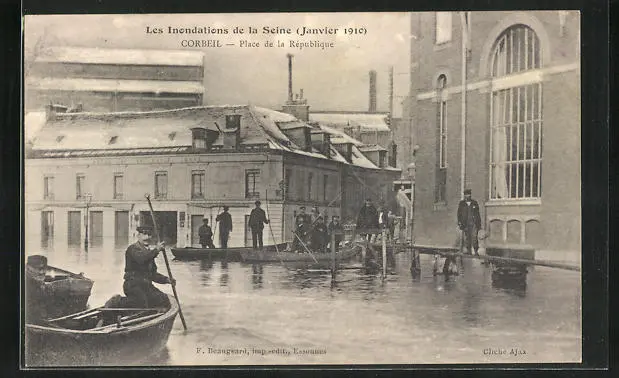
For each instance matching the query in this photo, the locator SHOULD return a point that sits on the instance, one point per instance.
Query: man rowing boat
(141, 272)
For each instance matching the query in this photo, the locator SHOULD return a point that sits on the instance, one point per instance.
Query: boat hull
(254, 256)
(49, 346)
(229, 254)
(53, 298)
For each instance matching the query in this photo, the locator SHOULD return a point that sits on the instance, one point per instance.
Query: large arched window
(441, 140)
(516, 115)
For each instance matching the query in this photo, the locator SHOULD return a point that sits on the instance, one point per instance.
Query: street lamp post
(88, 197)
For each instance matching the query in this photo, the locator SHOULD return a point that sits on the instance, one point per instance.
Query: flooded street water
(269, 314)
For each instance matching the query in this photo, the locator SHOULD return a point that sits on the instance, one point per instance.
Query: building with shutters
(95, 168)
(522, 127)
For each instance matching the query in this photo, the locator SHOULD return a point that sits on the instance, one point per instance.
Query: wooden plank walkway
(455, 252)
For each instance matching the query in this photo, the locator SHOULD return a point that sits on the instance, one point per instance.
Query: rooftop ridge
(128, 114)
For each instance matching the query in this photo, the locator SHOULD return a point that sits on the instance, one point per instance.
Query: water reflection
(205, 268)
(256, 277)
(299, 306)
(223, 279)
(512, 283)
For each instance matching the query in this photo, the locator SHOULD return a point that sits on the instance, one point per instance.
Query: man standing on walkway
(257, 220)
(469, 221)
(225, 227)
(299, 235)
(206, 234)
(367, 219)
(336, 227)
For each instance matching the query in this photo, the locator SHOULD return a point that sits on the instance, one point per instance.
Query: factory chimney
(290, 99)
(372, 106)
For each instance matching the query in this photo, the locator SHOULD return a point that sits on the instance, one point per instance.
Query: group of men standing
(312, 233)
(370, 218)
(205, 233)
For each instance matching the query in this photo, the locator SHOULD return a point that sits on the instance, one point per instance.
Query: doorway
(196, 222)
(121, 222)
(75, 228)
(96, 228)
(47, 228)
(166, 222)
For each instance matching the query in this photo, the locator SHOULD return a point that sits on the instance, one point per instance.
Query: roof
(95, 55)
(111, 85)
(371, 147)
(359, 159)
(33, 121)
(339, 137)
(169, 131)
(340, 120)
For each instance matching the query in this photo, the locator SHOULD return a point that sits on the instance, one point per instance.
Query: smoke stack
(372, 107)
(290, 99)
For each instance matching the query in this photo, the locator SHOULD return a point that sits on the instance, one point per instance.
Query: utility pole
(464, 22)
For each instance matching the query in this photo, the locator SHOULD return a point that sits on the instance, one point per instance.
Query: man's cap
(257, 202)
(302, 208)
(146, 230)
(204, 219)
(226, 208)
(467, 191)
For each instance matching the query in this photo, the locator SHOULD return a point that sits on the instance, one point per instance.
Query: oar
(167, 264)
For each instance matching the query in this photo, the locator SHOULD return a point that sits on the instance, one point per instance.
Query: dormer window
(198, 138)
(233, 121)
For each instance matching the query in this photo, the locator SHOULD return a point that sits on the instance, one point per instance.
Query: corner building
(95, 168)
(522, 122)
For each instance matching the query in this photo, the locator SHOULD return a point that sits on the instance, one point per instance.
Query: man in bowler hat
(225, 226)
(469, 221)
(141, 272)
(257, 220)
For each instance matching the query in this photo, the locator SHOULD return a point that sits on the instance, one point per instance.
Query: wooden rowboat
(231, 254)
(254, 256)
(100, 336)
(52, 292)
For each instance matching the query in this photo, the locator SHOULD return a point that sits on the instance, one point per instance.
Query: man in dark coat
(368, 218)
(336, 227)
(225, 227)
(320, 235)
(302, 225)
(257, 220)
(206, 234)
(469, 221)
(141, 272)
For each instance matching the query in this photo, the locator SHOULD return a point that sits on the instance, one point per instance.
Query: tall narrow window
(118, 186)
(443, 27)
(516, 116)
(161, 185)
(80, 183)
(252, 183)
(324, 187)
(310, 183)
(440, 191)
(198, 180)
(48, 187)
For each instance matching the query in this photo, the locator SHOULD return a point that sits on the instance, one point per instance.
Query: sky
(332, 79)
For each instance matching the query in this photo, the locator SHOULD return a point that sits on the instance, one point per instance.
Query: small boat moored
(53, 292)
(255, 256)
(100, 336)
(230, 254)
